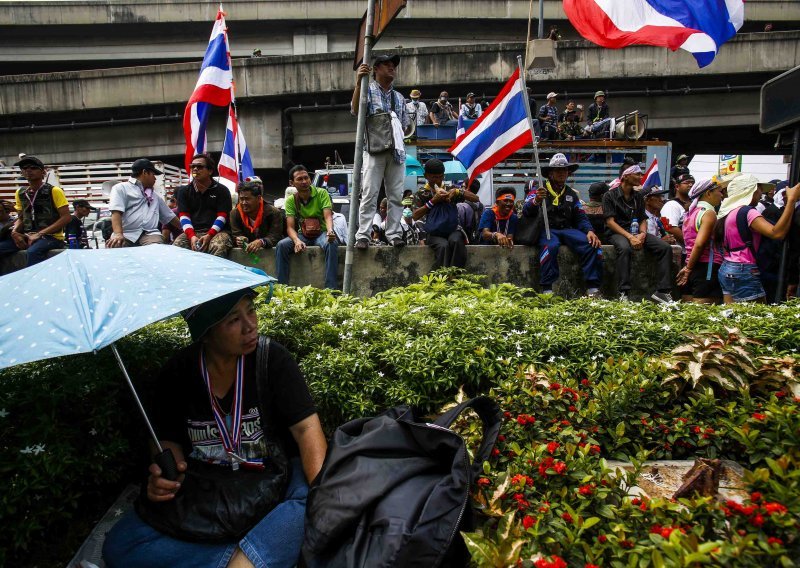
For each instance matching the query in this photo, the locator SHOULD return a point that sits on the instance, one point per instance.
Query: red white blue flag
(698, 26)
(651, 176)
(214, 87)
(501, 130)
(235, 164)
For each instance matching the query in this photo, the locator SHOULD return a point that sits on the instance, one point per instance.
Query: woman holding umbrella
(214, 409)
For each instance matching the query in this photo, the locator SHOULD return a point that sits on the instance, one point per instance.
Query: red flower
(573, 409)
(774, 541)
(643, 421)
(555, 386)
(565, 423)
(552, 447)
(780, 394)
(757, 520)
(554, 562)
(528, 521)
(594, 449)
(544, 508)
(626, 544)
(560, 468)
(696, 429)
(774, 509)
(501, 438)
(522, 479)
(590, 565)
(602, 539)
(636, 501)
(585, 382)
(586, 490)
(759, 416)
(483, 482)
(567, 517)
(495, 452)
(755, 496)
(684, 420)
(524, 419)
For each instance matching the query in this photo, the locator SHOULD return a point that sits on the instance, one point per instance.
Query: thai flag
(214, 87)
(651, 176)
(460, 129)
(698, 26)
(235, 163)
(500, 131)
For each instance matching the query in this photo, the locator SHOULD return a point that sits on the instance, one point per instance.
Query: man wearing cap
(680, 168)
(598, 111)
(568, 225)
(674, 210)
(470, 109)
(442, 110)
(621, 206)
(137, 211)
(385, 167)
(416, 109)
(653, 206)
(75, 228)
(43, 212)
(204, 206)
(548, 118)
(569, 129)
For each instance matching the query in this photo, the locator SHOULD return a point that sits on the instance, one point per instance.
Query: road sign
(779, 102)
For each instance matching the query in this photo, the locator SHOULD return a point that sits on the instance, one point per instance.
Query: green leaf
(484, 553)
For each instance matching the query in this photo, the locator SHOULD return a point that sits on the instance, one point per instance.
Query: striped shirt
(379, 100)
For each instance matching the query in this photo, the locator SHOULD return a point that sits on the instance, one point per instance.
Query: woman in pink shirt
(739, 274)
(703, 253)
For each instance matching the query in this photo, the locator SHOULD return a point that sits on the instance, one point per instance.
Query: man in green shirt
(309, 221)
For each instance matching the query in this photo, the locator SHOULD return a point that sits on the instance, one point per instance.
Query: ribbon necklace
(246, 220)
(228, 424)
(555, 195)
(31, 200)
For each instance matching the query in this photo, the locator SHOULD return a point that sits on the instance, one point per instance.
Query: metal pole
(794, 178)
(358, 160)
(535, 142)
(136, 397)
(541, 19)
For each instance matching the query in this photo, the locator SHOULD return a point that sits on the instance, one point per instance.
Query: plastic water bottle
(635, 227)
(72, 241)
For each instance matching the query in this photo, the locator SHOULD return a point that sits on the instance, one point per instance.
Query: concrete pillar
(310, 39)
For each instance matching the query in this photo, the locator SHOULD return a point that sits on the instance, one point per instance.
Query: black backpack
(394, 491)
(768, 254)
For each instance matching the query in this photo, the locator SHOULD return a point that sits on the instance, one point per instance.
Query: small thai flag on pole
(235, 164)
(651, 176)
(214, 87)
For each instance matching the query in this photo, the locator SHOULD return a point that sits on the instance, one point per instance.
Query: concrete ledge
(380, 268)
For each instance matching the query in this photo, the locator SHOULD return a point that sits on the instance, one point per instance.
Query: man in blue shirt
(498, 224)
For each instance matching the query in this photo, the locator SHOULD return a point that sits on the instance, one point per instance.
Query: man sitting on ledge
(309, 221)
(254, 222)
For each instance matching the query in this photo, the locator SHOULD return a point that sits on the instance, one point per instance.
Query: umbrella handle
(166, 461)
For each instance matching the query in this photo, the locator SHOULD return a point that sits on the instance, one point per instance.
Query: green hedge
(70, 435)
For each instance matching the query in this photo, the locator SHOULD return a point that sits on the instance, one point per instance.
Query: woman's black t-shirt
(183, 411)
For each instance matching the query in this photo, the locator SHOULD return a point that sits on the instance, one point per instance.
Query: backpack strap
(744, 230)
(489, 412)
(262, 372)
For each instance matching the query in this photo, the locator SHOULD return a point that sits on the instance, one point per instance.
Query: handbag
(527, 231)
(394, 491)
(442, 220)
(310, 227)
(215, 503)
(380, 137)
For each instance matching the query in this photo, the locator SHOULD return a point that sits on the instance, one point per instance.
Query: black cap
(653, 190)
(684, 177)
(144, 165)
(434, 166)
(470, 95)
(30, 160)
(394, 58)
(598, 188)
(83, 203)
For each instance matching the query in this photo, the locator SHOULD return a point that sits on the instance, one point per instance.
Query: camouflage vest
(42, 213)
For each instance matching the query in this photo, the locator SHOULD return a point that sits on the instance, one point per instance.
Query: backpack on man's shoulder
(394, 491)
(768, 254)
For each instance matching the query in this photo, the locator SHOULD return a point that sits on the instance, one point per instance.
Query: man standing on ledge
(387, 166)
(203, 208)
(43, 212)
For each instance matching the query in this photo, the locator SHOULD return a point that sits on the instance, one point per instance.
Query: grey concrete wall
(381, 268)
(102, 12)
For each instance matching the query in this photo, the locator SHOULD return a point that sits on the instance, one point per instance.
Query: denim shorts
(741, 281)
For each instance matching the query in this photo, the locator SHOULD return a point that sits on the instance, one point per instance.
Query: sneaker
(362, 244)
(547, 292)
(662, 298)
(594, 293)
(397, 242)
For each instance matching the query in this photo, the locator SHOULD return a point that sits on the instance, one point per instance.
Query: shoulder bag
(215, 503)
(310, 227)
(379, 130)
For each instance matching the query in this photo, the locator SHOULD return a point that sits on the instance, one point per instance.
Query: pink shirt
(690, 224)
(734, 240)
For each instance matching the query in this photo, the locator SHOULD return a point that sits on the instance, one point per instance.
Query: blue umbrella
(414, 167)
(80, 301)
(454, 170)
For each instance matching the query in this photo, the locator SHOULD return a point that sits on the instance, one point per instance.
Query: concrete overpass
(113, 33)
(115, 114)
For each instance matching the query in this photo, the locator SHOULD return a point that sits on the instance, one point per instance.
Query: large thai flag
(235, 164)
(214, 87)
(698, 26)
(500, 131)
(651, 176)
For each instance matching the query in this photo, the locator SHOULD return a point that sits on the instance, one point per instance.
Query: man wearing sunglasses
(137, 211)
(43, 212)
(204, 207)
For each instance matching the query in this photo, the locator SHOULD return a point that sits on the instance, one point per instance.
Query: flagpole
(358, 159)
(535, 142)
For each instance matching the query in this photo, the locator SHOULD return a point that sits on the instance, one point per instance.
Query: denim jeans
(286, 247)
(741, 281)
(590, 257)
(37, 252)
(275, 542)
